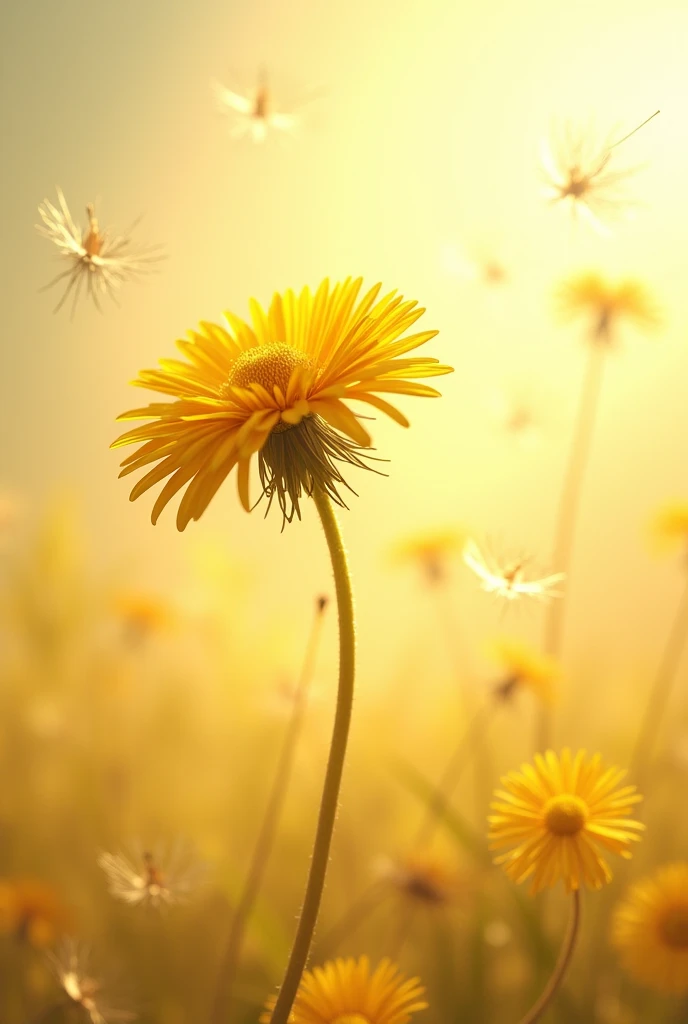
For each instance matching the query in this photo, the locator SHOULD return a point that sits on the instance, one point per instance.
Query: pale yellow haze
(424, 132)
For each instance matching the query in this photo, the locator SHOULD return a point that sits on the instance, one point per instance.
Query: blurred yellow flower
(142, 615)
(346, 992)
(276, 388)
(422, 877)
(430, 551)
(650, 929)
(670, 527)
(525, 666)
(556, 815)
(32, 911)
(589, 294)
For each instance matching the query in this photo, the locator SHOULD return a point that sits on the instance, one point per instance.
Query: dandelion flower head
(670, 527)
(650, 929)
(32, 911)
(276, 388)
(606, 304)
(524, 666)
(346, 991)
(422, 877)
(431, 551)
(559, 817)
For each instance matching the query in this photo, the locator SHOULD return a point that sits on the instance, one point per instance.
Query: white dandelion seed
(101, 261)
(151, 879)
(254, 114)
(509, 579)
(579, 173)
(83, 988)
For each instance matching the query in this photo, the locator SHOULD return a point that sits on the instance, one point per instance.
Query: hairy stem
(335, 764)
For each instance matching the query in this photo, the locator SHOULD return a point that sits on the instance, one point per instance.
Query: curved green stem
(335, 764)
(561, 967)
(266, 835)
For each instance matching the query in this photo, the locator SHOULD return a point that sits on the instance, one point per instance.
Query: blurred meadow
(148, 677)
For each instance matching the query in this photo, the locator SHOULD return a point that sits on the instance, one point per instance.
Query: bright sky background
(426, 133)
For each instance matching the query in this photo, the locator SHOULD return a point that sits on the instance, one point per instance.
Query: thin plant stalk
(449, 780)
(562, 965)
(266, 836)
(335, 764)
(567, 515)
(480, 751)
(661, 689)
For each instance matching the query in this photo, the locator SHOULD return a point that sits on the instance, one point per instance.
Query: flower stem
(266, 835)
(562, 964)
(661, 689)
(567, 516)
(335, 764)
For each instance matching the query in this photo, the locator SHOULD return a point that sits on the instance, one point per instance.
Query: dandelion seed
(558, 816)
(100, 261)
(83, 988)
(346, 992)
(606, 304)
(483, 268)
(509, 579)
(579, 174)
(255, 113)
(276, 389)
(152, 880)
(650, 929)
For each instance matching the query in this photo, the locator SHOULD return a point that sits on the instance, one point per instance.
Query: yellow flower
(524, 666)
(670, 526)
(276, 388)
(430, 551)
(650, 929)
(31, 910)
(589, 294)
(558, 816)
(345, 992)
(142, 615)
(422, 877)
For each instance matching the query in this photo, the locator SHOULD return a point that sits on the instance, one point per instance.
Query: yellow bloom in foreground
(650, 929)
(346, 992)
(558, 816)
(31, 911)
(670, 526)
(275, 388)
(524, 666)
(589, 294)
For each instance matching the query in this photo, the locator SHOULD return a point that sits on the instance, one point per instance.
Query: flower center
(673, 926)
(350, 1018)
(565, 815)
(267, 365)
